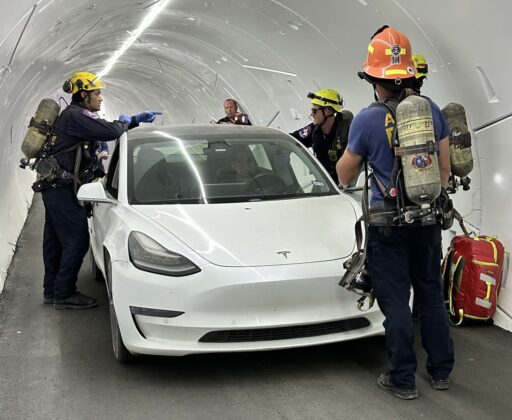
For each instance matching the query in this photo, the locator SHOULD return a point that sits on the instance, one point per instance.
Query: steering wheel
(266, 183)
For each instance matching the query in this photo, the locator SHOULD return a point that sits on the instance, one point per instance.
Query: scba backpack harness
(37, 147)
(413, 195)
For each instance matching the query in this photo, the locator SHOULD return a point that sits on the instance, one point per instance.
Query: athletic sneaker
(384, 383)
(440, 384)
(76, 301)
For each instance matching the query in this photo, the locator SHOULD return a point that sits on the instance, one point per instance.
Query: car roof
(200, 130)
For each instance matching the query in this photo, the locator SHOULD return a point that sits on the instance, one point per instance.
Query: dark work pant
(399, 257)
(65, 241)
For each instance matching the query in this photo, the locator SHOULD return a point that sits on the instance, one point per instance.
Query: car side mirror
(94, 192)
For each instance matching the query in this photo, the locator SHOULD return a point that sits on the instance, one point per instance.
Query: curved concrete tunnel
(268, 55)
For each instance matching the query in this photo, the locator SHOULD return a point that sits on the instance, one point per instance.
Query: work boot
(48, 299)
(76, 301)
(384, 383)
(440, 384)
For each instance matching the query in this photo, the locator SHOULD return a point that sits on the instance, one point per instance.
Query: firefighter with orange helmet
(400, 256)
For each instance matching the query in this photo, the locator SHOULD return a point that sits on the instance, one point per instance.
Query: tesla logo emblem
(284, 253)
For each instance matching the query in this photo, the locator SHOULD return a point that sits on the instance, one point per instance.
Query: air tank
(40, 125)
(461, 157)
(420, 164)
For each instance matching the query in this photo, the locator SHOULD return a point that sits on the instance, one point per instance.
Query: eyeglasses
(314, 110)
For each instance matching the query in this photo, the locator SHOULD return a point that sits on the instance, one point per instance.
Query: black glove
(446, 204)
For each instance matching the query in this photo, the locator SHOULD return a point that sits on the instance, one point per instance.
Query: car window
(260, 155)
(191, 170)
(112, 184)
(305, 177)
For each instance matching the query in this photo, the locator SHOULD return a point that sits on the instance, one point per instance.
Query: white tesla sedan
(221, 238)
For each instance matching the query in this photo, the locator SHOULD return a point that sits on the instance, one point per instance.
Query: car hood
(262, 233)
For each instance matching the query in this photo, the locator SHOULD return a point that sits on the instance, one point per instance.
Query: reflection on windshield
(171, 170)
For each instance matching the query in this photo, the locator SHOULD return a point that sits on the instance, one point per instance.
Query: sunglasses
(314, 110)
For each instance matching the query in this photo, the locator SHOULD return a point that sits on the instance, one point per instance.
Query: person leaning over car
(66, 236)
(328, 132)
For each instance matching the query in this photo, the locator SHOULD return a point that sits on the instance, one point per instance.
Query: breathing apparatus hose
(358, 259)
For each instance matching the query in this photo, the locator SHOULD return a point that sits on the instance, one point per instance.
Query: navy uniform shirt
(77, 124)
(311, 136)
(240, 119)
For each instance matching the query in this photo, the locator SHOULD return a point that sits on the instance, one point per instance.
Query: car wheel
(121, 353)
(96, 273)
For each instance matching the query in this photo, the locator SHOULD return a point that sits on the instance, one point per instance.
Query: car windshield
(188, 170)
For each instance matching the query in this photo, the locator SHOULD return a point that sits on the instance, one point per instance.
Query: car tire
(121, 353)
(96, 273)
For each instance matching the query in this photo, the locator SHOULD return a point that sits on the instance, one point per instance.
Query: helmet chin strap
(325, 117)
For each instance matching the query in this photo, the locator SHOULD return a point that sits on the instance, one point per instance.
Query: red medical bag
(472, 272)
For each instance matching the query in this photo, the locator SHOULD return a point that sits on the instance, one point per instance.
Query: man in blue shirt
(400, 256)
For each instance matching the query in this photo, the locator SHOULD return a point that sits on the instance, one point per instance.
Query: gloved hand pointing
(125, 118)
(147, 116)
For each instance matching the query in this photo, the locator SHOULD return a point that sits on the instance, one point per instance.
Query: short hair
(232, 100)
(77, 97)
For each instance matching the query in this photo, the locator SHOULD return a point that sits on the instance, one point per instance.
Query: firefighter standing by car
(66, 237)
(399, 256)
(328, 133)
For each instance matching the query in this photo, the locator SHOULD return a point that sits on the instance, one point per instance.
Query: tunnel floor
(60, 365)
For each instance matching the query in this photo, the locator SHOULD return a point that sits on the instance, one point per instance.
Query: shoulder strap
(455, 277)
(337, 135)
(69, 149)
(389, 191)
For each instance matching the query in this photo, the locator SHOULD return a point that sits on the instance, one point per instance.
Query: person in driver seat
(242, 166)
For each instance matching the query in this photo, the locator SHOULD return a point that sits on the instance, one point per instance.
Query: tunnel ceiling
(198, 52)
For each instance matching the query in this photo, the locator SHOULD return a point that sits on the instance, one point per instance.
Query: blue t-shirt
(370, 137)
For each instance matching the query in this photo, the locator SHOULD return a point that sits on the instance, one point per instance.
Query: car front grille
(284, 333)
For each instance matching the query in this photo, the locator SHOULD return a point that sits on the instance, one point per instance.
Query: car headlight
(148, 255)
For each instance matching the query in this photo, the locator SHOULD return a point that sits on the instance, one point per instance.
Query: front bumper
(236, 299)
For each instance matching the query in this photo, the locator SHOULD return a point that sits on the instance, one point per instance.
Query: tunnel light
(498, 179)
(286, 73)
(148, 19)
(44, 7)
(294, 25)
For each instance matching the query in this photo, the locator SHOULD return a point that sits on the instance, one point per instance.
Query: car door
(102, 212)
